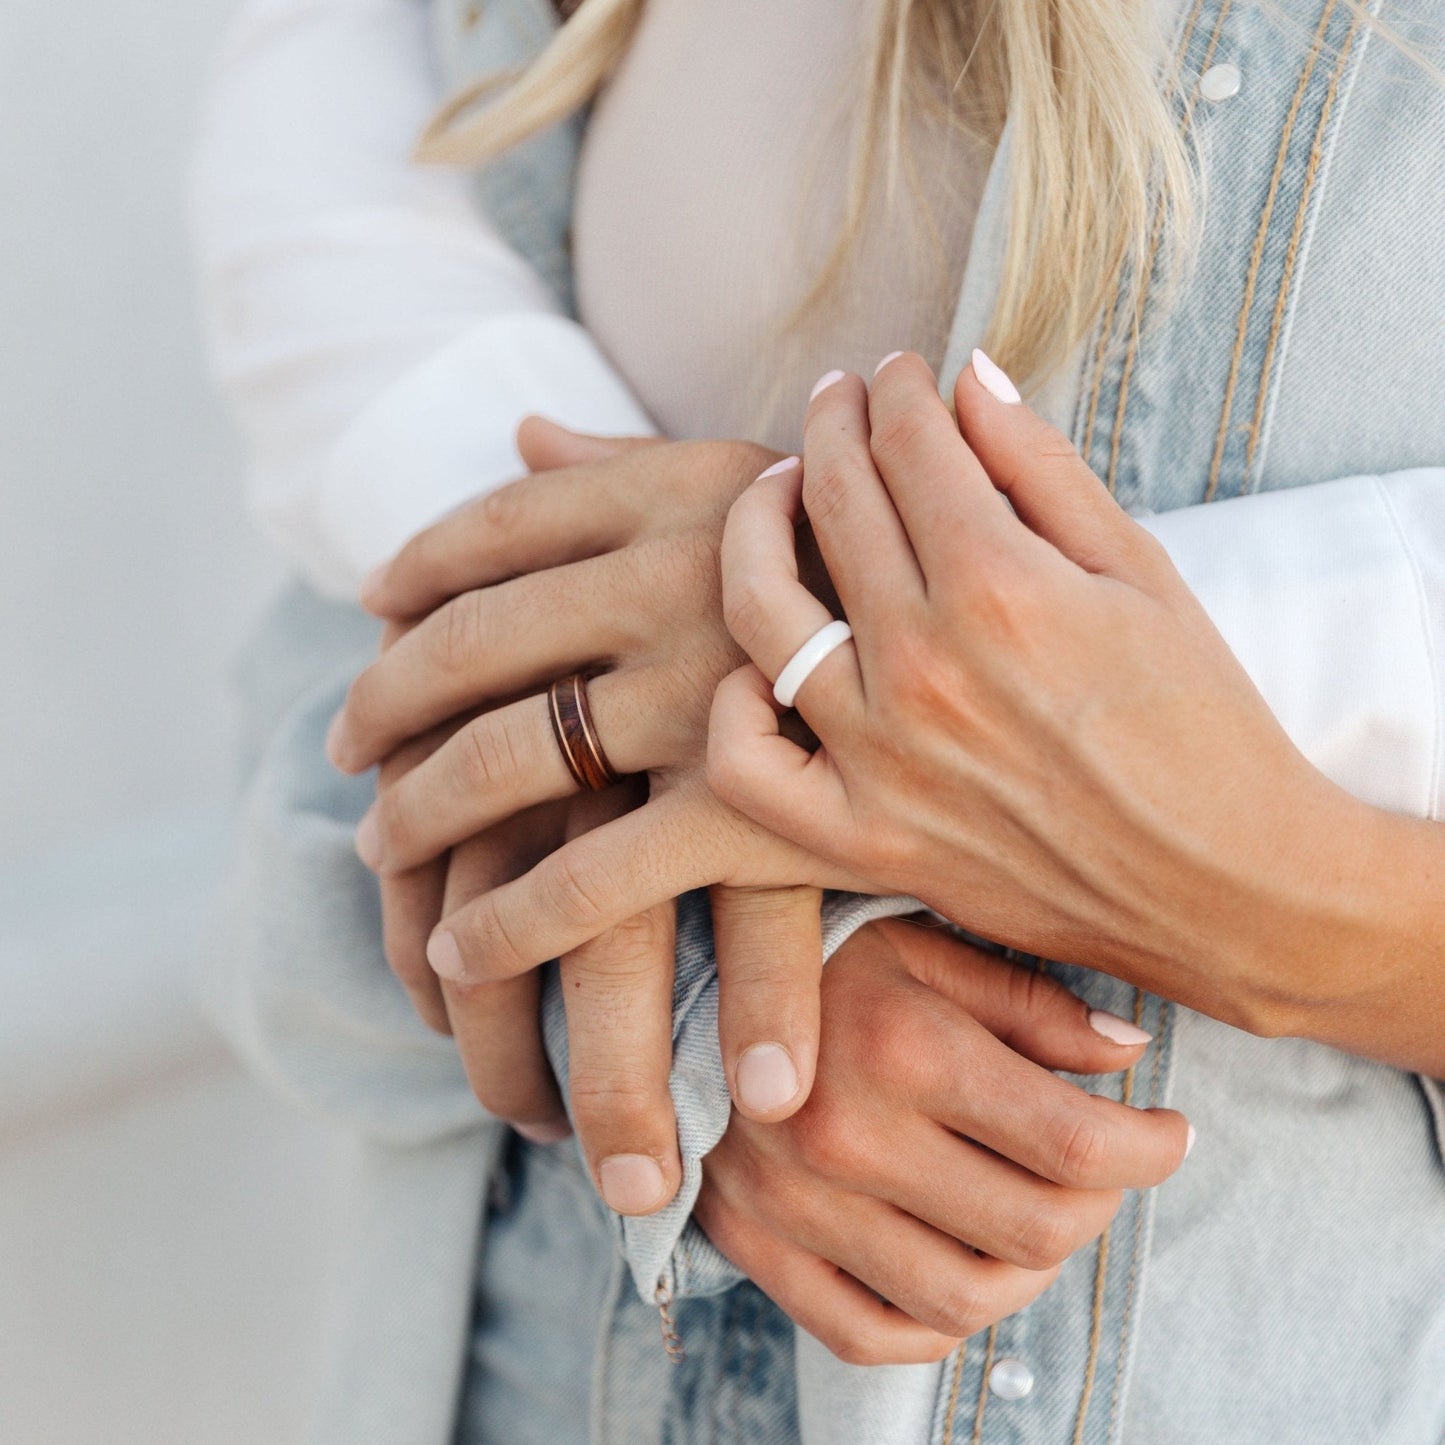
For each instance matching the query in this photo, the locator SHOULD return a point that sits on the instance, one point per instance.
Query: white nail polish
(994, 379)
(824, 382)
(786, 465)
(892, 356)
(1115, 1029)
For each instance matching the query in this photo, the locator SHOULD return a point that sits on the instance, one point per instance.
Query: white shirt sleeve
(377, 339)
(1332, 596)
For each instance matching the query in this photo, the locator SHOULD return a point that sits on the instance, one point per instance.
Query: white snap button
(1220, 82)
(1010, 1379)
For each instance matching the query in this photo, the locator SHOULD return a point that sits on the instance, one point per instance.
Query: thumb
(547, 445)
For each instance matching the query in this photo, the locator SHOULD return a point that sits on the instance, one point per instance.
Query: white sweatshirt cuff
(445, 432)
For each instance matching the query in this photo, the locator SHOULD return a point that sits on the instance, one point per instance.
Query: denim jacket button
(1220, 82)
(1010, 1379)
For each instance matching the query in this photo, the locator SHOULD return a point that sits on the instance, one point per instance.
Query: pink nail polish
(786, 465)
(994, 379)
(824, 382)
(767, 1078)
(892, 356)
(1115, 1029)
(368, 841)
(631, 1183)
(445, 957)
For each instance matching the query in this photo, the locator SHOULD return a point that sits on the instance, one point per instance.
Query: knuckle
(960, 1309)
(576, 894)
(898, 436)
(501, 508)
(746, 608)
(1046, 1237)
(488, 752)
(825, 492)
(726, 770)
(1083, 1152)
(1000, 599)
(458, 633)
(859, 1344)
(827, 1143)
(394, 824)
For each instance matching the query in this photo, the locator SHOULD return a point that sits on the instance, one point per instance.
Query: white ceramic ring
(806, 658)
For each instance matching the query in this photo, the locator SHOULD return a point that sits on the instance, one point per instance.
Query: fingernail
(445, 957)
(824, 382)
(892, 356)
(1115, 1029)
(368, 841)
(553, 1133)
(371, 583)
(631, 1183)
(767, 1078)
(1189, 1139)
(786, 465)
(994, 379)
(335, 740)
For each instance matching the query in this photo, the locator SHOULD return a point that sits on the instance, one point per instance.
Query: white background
(165, 1228)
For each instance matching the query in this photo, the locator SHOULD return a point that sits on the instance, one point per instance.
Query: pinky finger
(755, 768)
(411, 903)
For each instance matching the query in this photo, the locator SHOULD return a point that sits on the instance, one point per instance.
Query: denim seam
(983, 1386)
(1256, 256)
(1106, 324)
(1432, 801)
(958, 1360)
(1286, 285)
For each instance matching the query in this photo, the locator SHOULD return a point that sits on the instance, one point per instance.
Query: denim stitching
(953, 1393)
(983, 1386)
(1286, 281)
(1256, 257)
(1126, 373)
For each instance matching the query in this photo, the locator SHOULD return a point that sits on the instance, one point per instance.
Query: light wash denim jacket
(1288, 1285)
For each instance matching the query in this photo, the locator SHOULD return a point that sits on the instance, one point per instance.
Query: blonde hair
(1102, 181)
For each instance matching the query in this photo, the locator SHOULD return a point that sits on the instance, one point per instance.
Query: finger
(1023, 1007)
(481, 647)
(547, 445)
(859, 532)
(618, 991)
(592, 884)
(838, 1311)
(1049, 484)
(498, 1025)
(767, 609)
(503, 762)
(543, 521)
(769, 944)
(980, 1199)
(928, 1275)
(411, 903)
(942, 492)
(753, 767)
(979, 1087)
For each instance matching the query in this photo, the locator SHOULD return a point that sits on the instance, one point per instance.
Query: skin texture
(473, 792)
(1038, 731)
(937, 1163)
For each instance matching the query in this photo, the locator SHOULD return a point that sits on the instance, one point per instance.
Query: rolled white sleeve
(1333, 598)
(378, 340)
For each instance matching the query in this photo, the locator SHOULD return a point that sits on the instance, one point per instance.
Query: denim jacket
(1288, 1285)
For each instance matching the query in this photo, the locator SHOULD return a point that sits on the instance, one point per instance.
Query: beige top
(712, 185)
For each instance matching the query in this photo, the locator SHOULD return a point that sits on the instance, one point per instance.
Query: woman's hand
(938, 1163)
(1037, 729)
